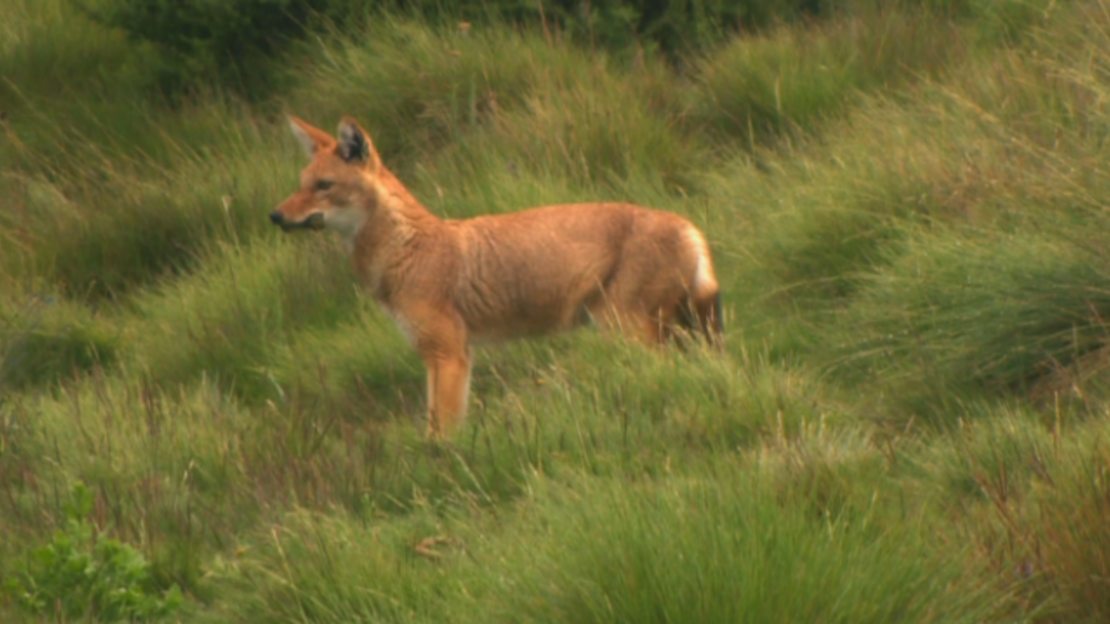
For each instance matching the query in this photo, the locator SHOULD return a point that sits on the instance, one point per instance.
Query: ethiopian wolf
(450, 282)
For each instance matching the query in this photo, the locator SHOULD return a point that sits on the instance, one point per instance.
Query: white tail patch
(705, 281)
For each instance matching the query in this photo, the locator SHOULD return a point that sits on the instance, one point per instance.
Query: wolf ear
(355, 146)
(311, 138)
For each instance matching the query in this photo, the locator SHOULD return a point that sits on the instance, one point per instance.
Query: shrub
(200, 38)
(81, 572)
(673, 26)
(232, 39)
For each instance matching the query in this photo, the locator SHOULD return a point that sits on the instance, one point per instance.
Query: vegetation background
(203, 420)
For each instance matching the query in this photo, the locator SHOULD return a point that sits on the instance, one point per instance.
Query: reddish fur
(450, 282)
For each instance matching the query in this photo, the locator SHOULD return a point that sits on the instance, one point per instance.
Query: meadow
(205, 420)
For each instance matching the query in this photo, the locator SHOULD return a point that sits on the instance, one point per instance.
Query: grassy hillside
(202, 419)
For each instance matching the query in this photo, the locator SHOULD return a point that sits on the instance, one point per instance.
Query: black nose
(276, 218)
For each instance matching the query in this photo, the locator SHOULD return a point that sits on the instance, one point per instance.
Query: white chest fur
(347, 223)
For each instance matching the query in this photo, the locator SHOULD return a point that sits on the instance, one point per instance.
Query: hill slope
(910, 423)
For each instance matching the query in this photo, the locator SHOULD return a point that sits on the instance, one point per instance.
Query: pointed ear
(311, 138)
(355, 146)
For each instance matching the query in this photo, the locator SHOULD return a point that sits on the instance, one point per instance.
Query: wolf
(449, 283)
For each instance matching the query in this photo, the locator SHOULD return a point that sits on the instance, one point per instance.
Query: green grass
(590, 550)
(906, 208)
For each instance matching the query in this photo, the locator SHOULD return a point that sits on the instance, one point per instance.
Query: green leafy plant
(82, 572)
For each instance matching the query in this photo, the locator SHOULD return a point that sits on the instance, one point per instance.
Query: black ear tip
(353, 144)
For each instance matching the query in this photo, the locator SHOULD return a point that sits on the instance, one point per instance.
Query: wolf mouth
(315, 221)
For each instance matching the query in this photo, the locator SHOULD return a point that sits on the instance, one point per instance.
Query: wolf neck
(398, 222)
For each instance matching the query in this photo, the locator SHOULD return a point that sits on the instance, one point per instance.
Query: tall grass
(44, 340)
(795, 79)
(905, 210)
(725, 549)
(950, 312)
(729, 551)
(1032, 490)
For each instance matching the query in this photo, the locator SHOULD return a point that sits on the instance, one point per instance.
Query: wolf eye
(323, 185)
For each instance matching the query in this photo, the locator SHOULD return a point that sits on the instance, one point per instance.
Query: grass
(905, 209)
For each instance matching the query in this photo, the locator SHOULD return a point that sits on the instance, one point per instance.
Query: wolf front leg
(448, 389)
(442, 342)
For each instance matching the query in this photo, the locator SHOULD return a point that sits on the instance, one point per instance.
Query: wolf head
(338, 188)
